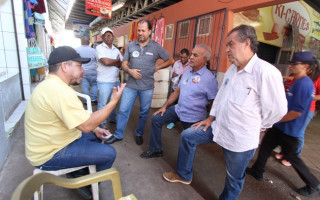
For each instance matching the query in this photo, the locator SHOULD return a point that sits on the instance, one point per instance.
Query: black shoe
(256, 175)
(111, 140)
(149, 154)
(94, 102)
(112, 122)
(139, 140)
(308, 191)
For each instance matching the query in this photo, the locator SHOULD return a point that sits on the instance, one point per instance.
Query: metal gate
(206, 29)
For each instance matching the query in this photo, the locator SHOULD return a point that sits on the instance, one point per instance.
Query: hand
(118, 64)
(206, 123)
(117, 92)
(100, 132)
(161, 110)
(135, 73)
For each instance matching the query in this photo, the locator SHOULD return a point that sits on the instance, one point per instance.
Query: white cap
(106, 29)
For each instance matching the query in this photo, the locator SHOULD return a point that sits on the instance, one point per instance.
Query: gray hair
(54, 68)
(246, 32)
(207, 49)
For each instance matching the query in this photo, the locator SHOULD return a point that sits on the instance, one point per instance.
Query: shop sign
(80, 30)
(274, 24)
(100, 8)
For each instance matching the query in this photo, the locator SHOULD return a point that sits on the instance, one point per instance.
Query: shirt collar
(136, 42)
(188, 63)
(200, 72)
(53, 76)
(105, 45)
(248, 68)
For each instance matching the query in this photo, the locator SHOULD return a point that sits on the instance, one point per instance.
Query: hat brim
(82, 60)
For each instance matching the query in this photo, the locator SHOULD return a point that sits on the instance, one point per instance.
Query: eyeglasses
(295, 63)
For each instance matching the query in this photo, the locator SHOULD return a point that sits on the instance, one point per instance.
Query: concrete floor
(143, 177)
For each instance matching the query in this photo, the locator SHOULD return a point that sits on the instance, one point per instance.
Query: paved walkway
(143, 177)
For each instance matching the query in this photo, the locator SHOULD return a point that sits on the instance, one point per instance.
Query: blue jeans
(128, 98)
(301, 139)
(105, 91)
(157, 121)
(189, 140)
(87, 81)
(86, 150)
(236, 162)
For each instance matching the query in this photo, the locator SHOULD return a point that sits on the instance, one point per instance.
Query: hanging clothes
(41, 7)
(28, 19)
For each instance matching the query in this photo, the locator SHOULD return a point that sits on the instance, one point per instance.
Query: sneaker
(286, 163)
(308, 191)
(278, 156)
(174, 177)
(253, 173)
(170, 126)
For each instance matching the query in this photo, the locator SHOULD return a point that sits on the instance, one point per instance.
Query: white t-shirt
(109, 74)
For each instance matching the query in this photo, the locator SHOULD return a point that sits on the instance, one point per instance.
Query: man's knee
(156, 119)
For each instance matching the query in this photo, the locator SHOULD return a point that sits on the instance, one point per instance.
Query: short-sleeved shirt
(196, 89)
(316, 92)
(178, 69)
(52, 115)
(86, 51)
(144, 58)
(109, 74)
(299, 99)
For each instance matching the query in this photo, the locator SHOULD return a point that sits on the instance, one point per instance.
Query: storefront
(282, 30)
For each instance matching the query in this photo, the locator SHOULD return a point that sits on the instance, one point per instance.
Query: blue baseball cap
(305, 56)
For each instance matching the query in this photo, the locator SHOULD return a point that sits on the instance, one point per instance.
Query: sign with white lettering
(100, 8)
(284, 25)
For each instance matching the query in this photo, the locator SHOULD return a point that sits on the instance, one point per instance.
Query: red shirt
(316, 92)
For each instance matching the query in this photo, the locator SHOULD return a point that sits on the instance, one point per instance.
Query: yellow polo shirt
(52, 115)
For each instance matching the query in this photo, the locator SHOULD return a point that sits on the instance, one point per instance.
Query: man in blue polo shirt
(140, 63)
(196, 89)
(287, 131)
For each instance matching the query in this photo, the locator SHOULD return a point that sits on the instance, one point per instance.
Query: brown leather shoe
(174, 177)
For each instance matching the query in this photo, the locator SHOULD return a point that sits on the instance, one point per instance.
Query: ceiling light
(117, 5)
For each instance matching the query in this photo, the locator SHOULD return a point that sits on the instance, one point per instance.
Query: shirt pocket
(239, 95)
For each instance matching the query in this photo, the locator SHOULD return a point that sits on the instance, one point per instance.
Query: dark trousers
(289, 145)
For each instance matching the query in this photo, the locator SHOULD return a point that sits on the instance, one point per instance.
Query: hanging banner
(159, 34)
(100, 8)
(80, 30)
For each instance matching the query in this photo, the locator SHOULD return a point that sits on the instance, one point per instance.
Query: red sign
(101, 8)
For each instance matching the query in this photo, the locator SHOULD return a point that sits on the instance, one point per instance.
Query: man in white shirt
(109, 61)
(251, 97)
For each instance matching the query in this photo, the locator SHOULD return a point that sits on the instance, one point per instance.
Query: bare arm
(165, 64)
(99, 116)
(316, 97)
(172, 98)
(111, 62)
(291, 115)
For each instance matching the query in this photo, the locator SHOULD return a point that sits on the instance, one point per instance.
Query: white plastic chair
(88, 99)
(92, 168)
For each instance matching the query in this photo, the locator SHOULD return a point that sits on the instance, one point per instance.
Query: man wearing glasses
(287, 131)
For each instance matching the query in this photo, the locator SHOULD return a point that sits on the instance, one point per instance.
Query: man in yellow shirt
(59, 133)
